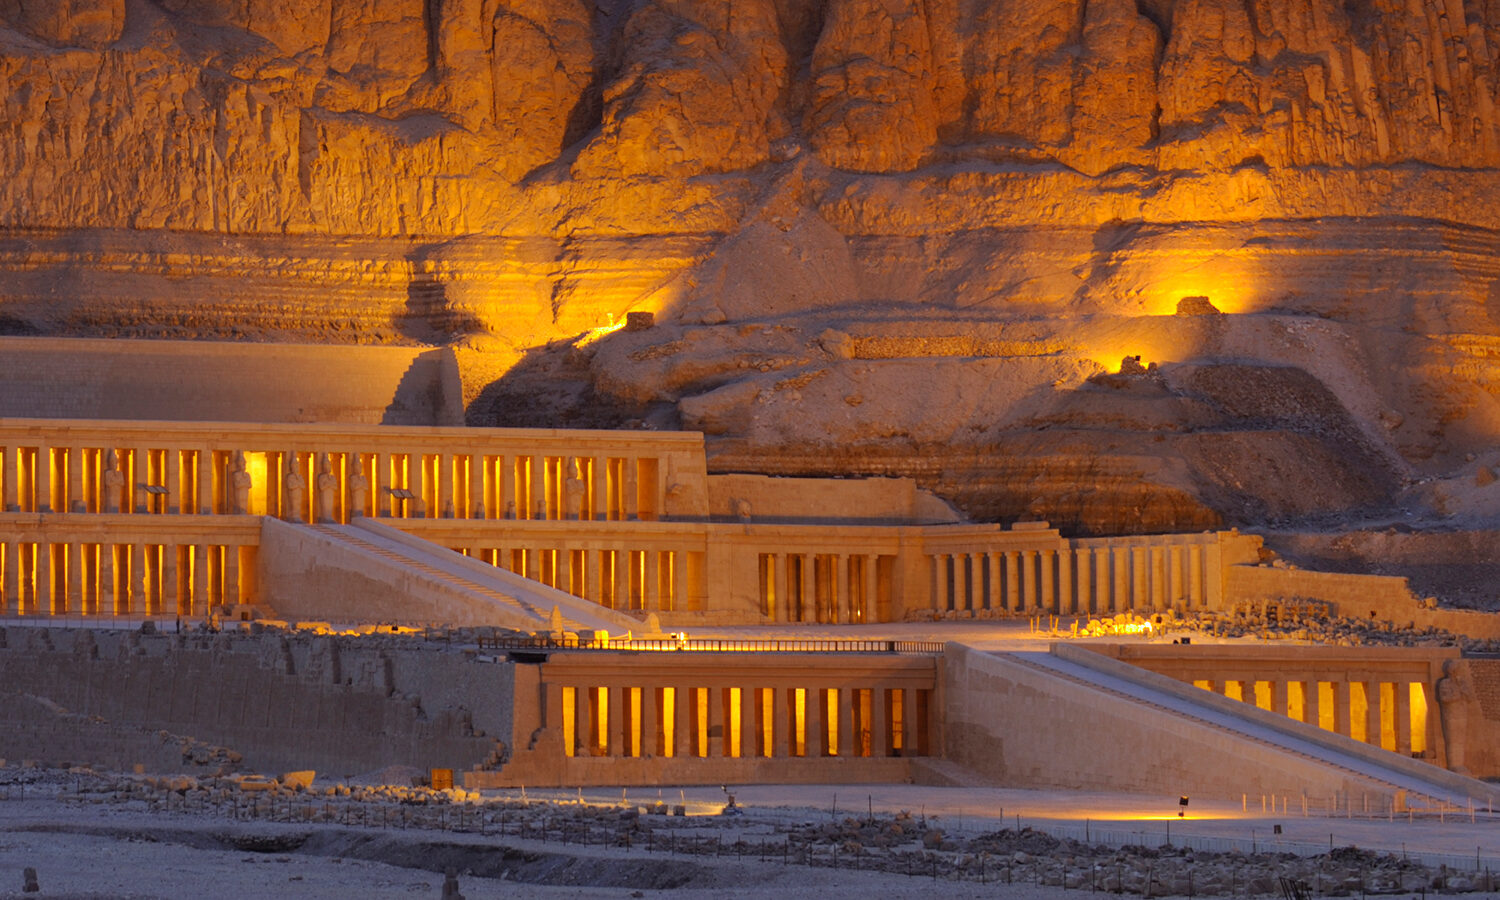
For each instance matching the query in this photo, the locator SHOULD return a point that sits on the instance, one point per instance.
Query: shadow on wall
(429, 393)
(429, 316)
(553, 387)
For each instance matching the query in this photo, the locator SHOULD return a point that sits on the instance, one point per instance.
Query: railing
(715, 645)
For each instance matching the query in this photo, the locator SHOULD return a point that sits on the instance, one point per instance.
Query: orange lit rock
(66, 23)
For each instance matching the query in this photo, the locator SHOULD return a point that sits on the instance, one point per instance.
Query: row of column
(828, 588)
(290, 483)
(119, 579)
(1071, 581)
(1395, 715)
(648, 580)
(740, 722)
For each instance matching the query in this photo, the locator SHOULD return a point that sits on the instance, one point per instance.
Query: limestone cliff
(879, 235)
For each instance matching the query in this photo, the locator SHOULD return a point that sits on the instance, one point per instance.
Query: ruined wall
(282, 702)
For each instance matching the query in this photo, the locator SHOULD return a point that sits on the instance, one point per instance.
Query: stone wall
(199, 381)
(343, 706)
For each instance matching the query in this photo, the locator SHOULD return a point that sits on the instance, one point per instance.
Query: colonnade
(683, 720)
(825, 588)
(1086, 577)
(82, 578)
(1395, 715)
(648, 580)
(330, 475)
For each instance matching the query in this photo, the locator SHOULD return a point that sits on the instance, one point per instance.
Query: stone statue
(296, 487)
(114, 481)
(328, 484)
(359, 486)
(742, 509)
(573, 489)
(239, 484)
(448, 510)
(1455, 692)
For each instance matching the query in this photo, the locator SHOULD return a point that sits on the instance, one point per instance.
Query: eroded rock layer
(877, 235)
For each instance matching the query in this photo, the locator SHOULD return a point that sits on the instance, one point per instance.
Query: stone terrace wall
(340, 705)
(216, 382)
(1378, 597)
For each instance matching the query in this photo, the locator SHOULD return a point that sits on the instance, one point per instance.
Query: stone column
(201, 599)
(1067, 603)
(445, 504)
(538, 508)
(1174, 576)
(679, 580)
(12, 563)
(872, 587)
(845, 699)
(780, 723)
(749, 737)
(44, 578)
(106, 579)
(476, 487)
(76, 501)
(593, 587)
(44, 478)
(1280, 697)
(1159, 598)
(879, 724)
(1402, 719)
(619, 721)
(651, 590)
(601, 487)
(565, 571)
(1012, 581)
(533, 564)
(960, 600)
(716, 716)
(382, 477)
(817, 733)
(172, 462)
(993, 596)
(1048, 601)
(232, 575)
(631, 488)
(623, 599)
(139, 600)
(650, 723)
(140, 472)
(1372, 713)
(1312, 702)
(169, 592)
(1029, 584)
(505, 492)
(10, 478)
(1085, 560)
(809, 589)
(843, 605)
(1124, 600)
(1343, 708)
(1196, 598)
(203, 502)
(74, 595)
(909, 724)
(683, 722)
(1104, 582)
(781, 610)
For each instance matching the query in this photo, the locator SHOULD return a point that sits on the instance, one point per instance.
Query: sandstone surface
(877, 235)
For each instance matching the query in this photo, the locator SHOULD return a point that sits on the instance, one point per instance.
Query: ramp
(372, 573)
(1422, 782)
(1037, 720)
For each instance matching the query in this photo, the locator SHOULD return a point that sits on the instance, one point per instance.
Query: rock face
(878, 235)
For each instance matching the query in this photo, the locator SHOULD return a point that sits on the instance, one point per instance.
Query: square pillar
(1104, 600)
(476, 486)
(842, 596)
(631, 508)
(169, 591)
(960, 599)
(203, 502)
(232, 575)
(1123, 598)
(622, 580)
(593, 587)
(172, 462)
(74, 594)
(447, 504)
(879, 724)
(1029, 583)
(1196, 597)
(200, 598)
(817, 732)
(781, 610)
(716, 718)
(620, 730)
(1048, 601)
(10, 474)
(76, 502)
(684, 718)
(44, 478)
(538, 509)
(1174, 575)
(910, 740)
(1343, 708)
(872, 588)
(601, 487)
(106, 579)
(1402, 718)
(1067, 603)
(650, 721)
(846, 698)
(993, 596)
(651, 590)
(809, 590)
(505, 501)
(44, 578)
(1085, 562)
(1312, 702)
(1280, 698)
(1372, 713)
(780, 722)
(679, 580)
(749, 737)
(1013, 581)
(12, 583)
